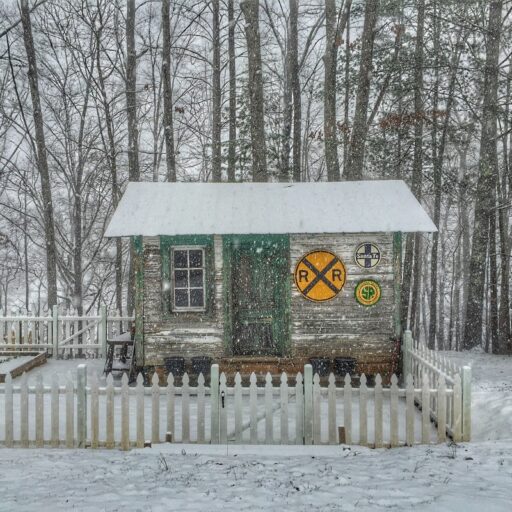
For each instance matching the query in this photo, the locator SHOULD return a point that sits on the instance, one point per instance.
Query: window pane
(196, 278)
(196, 298)
(181, 298)
(180, 278)
(180, 259)
(196, 258)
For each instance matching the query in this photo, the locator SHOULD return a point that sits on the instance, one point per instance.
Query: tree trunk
(284, 161)
(232, 93)
(296, 90)
(438, 160)
(170, 155)
(330, 61)
(112, 160)
(488, 171)
(411, 259)
(41, 157)
(354, 170)
(216, 97)
(133, 135)
(250, 9)
(346, 102)
(493, 285)
(504, 342)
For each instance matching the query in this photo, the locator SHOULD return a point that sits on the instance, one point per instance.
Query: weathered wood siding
(179, 334)
(341, 326)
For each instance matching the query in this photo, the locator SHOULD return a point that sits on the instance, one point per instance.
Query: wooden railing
(62, 335)
(429, 367)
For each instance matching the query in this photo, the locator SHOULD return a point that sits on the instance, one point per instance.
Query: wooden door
(259, 294)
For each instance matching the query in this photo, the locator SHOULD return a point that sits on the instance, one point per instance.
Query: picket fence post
(81, 405)
(406, 354)
(214, 404)
(9, 423)
(103, 330)
(308, 404)
(466, 403)
(55, 331)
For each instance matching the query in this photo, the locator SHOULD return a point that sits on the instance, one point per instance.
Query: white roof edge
(159, 209)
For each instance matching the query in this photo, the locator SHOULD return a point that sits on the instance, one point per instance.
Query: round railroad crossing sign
(320, 275)
(367, 255)
(367, 292)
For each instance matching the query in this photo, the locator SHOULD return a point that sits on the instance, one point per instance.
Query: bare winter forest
(94, 93)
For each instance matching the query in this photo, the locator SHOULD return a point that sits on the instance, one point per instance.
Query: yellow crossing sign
(320, 275)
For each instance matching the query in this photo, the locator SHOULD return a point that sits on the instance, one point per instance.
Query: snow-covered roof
(152, 209)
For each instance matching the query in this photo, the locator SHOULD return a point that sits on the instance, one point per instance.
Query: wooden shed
(265, 276)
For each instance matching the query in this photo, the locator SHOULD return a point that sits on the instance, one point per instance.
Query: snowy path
(474, 477)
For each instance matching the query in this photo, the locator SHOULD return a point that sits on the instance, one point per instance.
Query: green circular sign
(367, 292)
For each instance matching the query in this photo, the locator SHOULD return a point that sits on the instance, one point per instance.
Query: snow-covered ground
(469, 477)
(474, 477)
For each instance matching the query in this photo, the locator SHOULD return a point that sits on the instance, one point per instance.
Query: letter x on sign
(320, 275)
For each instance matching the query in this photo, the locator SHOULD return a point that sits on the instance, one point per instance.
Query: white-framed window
(188, 279)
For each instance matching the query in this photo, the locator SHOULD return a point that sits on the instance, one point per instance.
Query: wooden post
(9, 423)
(185, 409)
(214, 403)
(425, 410)
(378, 411)
(466, 403)
(406, 354)
(139, 301)
(363, 411)
(253, 408)
(39, 411)
(347, 409)
(457, 409)
(269, 414)
(393, 413)
(70, 408)
(409, 411)
(223, 410)
(331, 409)
(125, 413)
(55, 420)
(200, 409)
(109, 402)
(238, 408)
(103, 331)
(81, 405)
(155, 409)
(55, 331)
(308, 404)
(24, 411)
(95, 411)
(139, 392)
(397, 290)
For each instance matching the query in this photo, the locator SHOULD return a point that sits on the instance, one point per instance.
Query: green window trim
(205, 242)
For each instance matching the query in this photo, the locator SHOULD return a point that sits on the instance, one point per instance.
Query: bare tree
(250, 10)
(232, 92)
(354, 170)
(216, 96)
(486, 186)
(41, 157)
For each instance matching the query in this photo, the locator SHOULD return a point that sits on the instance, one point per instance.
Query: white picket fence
(429, 366)
(62, 335)
(297, 411)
